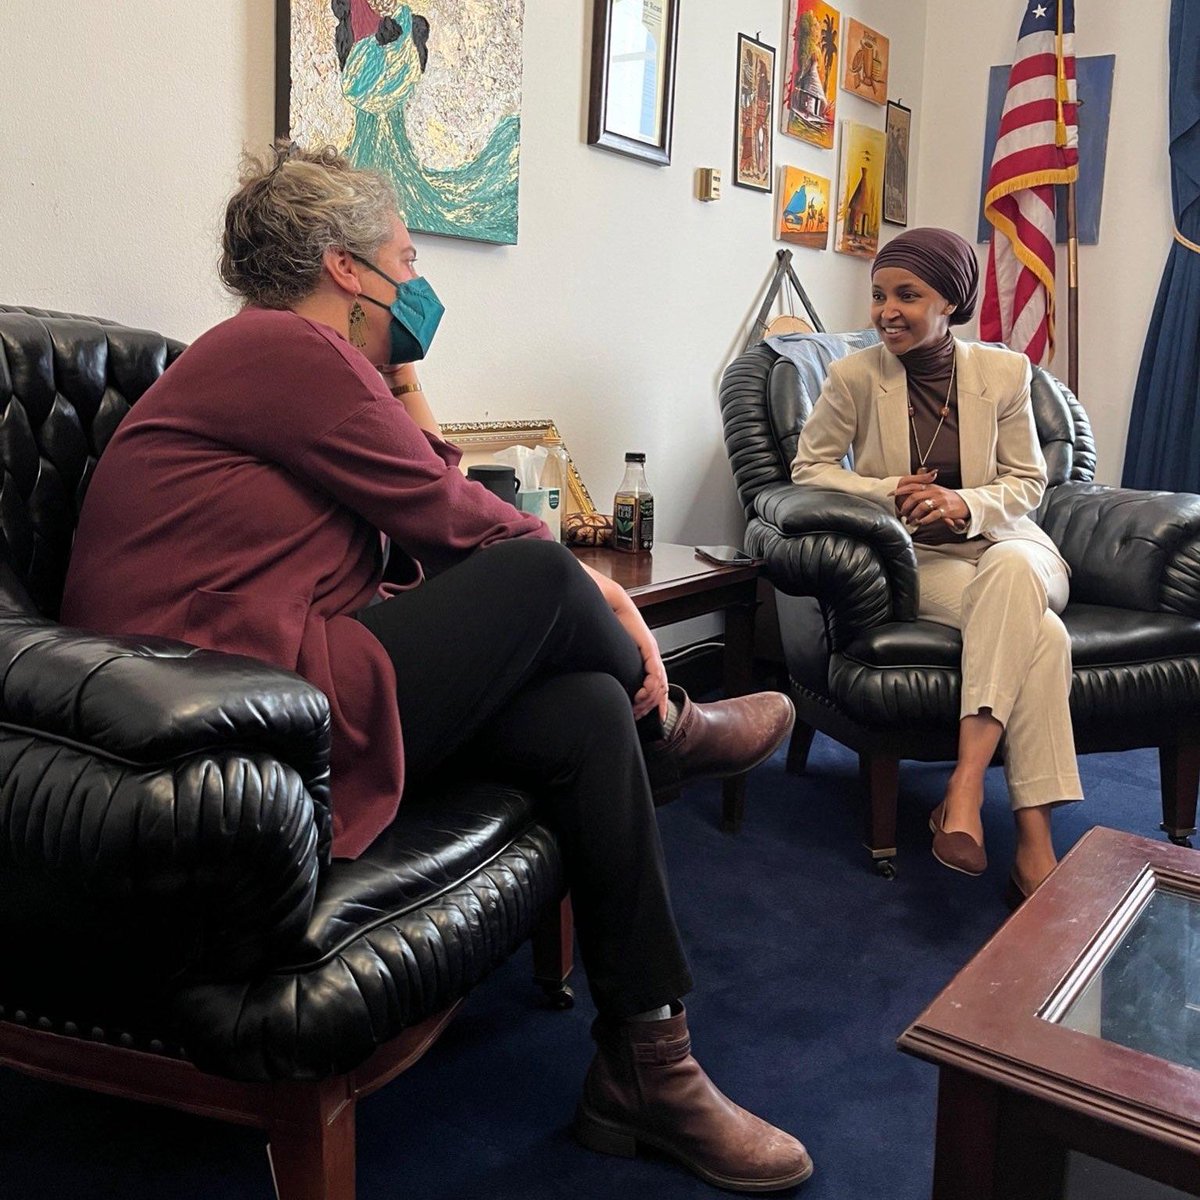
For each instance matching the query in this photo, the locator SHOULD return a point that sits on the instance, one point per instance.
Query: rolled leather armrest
(1129, 548)
(167, 805)
(149, 701)
(856, 559)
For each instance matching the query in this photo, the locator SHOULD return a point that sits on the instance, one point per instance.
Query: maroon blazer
(239, 507)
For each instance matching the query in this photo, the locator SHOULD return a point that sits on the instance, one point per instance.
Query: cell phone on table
(725, 556)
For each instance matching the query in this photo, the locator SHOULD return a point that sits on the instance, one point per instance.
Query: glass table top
(1146, 995)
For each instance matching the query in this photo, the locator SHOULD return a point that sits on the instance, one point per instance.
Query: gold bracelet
(402, 389)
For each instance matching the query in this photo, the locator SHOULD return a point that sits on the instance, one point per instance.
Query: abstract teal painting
(431, 99)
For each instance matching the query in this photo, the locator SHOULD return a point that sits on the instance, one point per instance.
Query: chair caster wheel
(558, 996)
(885, 867)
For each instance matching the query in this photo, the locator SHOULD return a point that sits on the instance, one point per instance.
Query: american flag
(1037, 146)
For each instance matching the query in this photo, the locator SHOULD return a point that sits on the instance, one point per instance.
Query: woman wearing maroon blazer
(245, 504)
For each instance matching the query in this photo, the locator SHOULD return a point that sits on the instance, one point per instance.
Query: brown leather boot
(714, 741)
(644, 1087)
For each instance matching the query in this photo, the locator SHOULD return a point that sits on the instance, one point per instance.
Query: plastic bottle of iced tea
(633, 508)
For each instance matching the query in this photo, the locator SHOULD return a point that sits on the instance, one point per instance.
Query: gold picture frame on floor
(479, 440)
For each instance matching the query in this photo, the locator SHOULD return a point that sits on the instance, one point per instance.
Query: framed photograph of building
(754, 117)
(631, 100)
(895, 164)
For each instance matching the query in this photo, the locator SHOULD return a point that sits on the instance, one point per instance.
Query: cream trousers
(1005, 598)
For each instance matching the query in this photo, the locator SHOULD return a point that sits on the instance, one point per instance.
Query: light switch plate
(708, 183)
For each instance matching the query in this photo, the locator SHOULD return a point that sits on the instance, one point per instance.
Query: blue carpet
(808, 967)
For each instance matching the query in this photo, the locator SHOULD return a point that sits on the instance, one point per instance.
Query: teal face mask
(416, 313)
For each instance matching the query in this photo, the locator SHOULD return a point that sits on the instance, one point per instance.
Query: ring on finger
(928, 503)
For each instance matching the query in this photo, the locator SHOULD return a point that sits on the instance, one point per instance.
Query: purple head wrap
(943, 260)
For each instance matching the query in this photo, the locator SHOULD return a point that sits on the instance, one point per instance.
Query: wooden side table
(672, 583)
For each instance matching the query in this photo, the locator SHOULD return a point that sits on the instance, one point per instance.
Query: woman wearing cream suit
(942, 434)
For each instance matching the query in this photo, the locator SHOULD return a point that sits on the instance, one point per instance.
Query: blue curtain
(1163, 449)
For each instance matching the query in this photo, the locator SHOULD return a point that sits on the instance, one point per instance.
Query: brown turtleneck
(929, 376)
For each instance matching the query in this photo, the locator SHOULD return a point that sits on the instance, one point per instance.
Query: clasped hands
(919, 501)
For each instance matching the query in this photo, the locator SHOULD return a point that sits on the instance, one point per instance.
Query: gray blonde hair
(293, 205)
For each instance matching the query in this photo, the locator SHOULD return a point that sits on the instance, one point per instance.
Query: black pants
(512, 659)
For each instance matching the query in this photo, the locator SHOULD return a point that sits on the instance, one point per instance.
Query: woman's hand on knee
(653, 692)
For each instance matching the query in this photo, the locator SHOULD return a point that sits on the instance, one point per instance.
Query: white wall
(625, 296)
(614, 314)
(122, 133)
(1118, 278)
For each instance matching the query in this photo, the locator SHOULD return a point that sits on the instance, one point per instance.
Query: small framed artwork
(632, 97)
(895, 164)
(809, 101)
(859, 199)
(803, 208)
(866, 62)
(755, 121)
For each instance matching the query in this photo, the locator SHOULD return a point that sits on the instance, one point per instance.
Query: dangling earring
(358, 326)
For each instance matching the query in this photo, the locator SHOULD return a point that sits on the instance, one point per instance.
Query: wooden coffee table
(672, 583)
(1076, 1027)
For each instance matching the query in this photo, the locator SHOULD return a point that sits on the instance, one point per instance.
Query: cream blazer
(864, 407)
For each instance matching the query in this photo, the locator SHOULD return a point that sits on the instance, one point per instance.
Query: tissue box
(545, 503)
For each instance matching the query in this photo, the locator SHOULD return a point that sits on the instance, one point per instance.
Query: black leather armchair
(171, 925)
(865, 671)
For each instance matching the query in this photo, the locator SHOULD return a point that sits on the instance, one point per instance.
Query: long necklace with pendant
(945, 412)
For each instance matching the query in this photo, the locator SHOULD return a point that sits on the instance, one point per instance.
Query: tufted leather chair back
(66, 382)
(767, 397)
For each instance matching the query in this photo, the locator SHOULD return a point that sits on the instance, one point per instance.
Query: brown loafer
(644, 1088)
(714, 741)
(959, 851)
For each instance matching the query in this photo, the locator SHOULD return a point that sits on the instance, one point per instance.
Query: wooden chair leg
(881, 775)
(1179, 775)
(554, 953)
(311, 1142)
(798, 748)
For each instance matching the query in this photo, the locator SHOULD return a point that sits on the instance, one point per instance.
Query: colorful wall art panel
(804, 208)
(866, 57)
(861, 192)
(811, 72)
(432, 99)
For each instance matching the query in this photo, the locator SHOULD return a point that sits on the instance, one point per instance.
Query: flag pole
(1072, 293)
